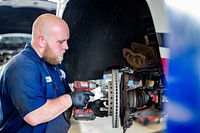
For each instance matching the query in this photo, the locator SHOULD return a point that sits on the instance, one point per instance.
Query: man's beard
(49, 56)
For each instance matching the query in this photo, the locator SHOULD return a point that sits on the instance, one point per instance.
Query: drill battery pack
(84, 114)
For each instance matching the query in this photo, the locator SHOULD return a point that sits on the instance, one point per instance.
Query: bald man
(34, 93)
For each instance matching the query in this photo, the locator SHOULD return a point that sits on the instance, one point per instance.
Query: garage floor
(104, 125)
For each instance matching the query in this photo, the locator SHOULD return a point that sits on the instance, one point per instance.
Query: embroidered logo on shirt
(48, 79)
(63, 75)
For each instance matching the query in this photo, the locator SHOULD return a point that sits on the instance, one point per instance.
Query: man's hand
(80, 98)
(95, 106)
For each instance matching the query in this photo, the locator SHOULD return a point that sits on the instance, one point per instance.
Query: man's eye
(60, 42)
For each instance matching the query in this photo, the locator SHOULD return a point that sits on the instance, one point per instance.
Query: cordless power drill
(83, 113)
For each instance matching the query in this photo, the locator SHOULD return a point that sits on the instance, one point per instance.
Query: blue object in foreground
(184, 66)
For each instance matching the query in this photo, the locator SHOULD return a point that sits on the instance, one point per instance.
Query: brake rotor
(114, 98)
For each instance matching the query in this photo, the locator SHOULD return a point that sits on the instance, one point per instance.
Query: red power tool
(83, 113)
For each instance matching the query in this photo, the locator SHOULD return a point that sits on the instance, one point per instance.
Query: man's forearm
(50, 110)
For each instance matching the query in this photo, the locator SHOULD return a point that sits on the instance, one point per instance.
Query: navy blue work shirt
(25, 85)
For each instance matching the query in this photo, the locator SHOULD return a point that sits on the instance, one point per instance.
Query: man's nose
(65, 46)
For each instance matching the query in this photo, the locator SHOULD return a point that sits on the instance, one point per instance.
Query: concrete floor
(104, 125)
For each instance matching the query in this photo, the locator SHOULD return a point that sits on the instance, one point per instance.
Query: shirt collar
(30, 49)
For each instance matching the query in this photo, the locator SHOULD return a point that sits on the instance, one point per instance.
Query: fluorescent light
(53, 1)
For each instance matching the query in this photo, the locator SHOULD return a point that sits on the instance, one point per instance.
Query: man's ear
(40, 41)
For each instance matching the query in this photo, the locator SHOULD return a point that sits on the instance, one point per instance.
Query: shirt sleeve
(24, 83)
